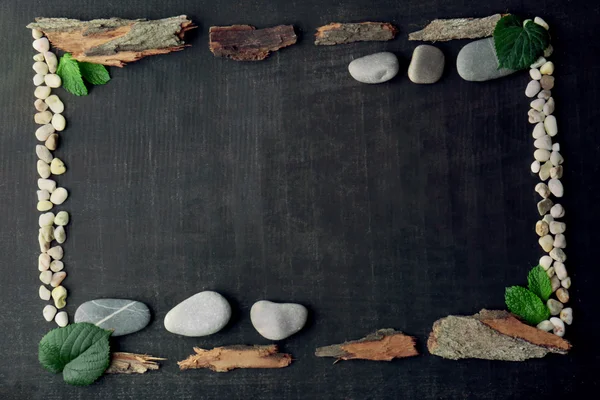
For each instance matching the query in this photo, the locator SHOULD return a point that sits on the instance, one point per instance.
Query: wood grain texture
(373, 205)
(246, 43)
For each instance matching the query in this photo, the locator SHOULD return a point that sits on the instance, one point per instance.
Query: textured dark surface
(375, 206)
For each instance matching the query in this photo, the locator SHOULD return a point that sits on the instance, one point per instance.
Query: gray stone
(122, 315)
(426, 65)
(374, 68)
(477, 62)
(276, 321)
(202, 314)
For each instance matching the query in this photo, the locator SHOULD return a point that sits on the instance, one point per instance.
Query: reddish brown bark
(246, 43)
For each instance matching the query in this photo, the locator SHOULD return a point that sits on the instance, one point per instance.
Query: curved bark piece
(383, 345)
(115, 41)
(130, 363)
(246, 43)
(340, 33)
(223, 359)
(441, 30)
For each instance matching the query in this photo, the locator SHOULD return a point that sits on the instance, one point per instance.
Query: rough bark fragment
(491, 335)
(340, 33)
(114, 41)
(383, 345)
(130, 363)
(223, 359)
(246, 43)
(440, 30)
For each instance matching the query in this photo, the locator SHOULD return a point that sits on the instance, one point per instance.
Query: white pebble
(542, 189)
(545, 262)
(42, 45)
(535, 167)
(62, 218)
(560, 270)
(558, 255)
(47, 184)
(566, 315)
(46, 219)
(546, 242)
(536, 116)
(548, 218)
(38, 79)
(55, 104)
(52, 142)
(540, 155)
(566, 283)
(554, 306)
(541, 228)
(56, 266)
(539, 62)
(563, 295)
(533, 88)
(545, 171)
(36, 34)
(535, 74)
(43, 132)
(47, 233)
(556, 147)
(43, 262)
(544, 94)
(548, 51)
(52, 80)
(43, 118)
(550, 125)
(556, 158)
(51, 60)
(44, 293)
(556, 172)
(57, 167)
(555, 283)
(59, 196)
(49, 312)
(547, 82)
(549, 107)
(557, 211)
(62, 319)
(539, 131)
(547, 68)
(46, 277)
(557, 227)
(560, 241)
(40, 68)
(43, 169)
(545, 142)
(56, 252)
(60, 235)
(541, 22)
(40, 105)
(44, 205)
(538, 104)
(44, 246)
(59, 122)
(43, 154)
(545, 326)
(38, 57)
(57, 278)
(42, 92)
(556, 187)
(559, 326)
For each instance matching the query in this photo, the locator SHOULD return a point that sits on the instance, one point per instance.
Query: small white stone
(535, 167)
(559, 326)
(47, 233)
(43, 154)
(556, 172)
(46, 277)
(545, 262)
(40, 68)
(546, 242)
(60, 235)
(62, 218)
(566, 315)
(44, 246)
(566, 283)
(538, 104)
(557, 227)
(57, 167)
(560, 241)
(556, 187)
(539, 131)
(40, 105)
(550, 272)
(55, 104)
(43, 195)
(544, 94)
(42, 45)
(43, 169)
(57, 278)
(533, 88)
(38, 79)
(43, 118)
(541, 155)
(539, 62)
(44, 293)
(51, 60)
(560, 270)
(544, 206)
(62, 319)
(545, 142)
(541, 22)
(542, 189)
(56, 252)
(49, 312)
(46, 219)
(53, 80)
(547, 82)
(541, 228)
(549, 107)
(59, 122)
(556, 158)
(59, 196)
(556, 147)
(47, 184)
(52, 142)
(555, 283)
(42, 92)
(547, 68)
(43, 262)
(56, 266)
(535, 116)
(554, 306)
(44, 205)
(37, 34)
(558, 255)
(38, 57)
(545, 326)
(548, 51)
(43, 132)
(535, 74)
(557, 211)
(563, 295)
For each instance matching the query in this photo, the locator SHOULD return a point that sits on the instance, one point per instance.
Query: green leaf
(518, 46)
(526, 304)
(96, 74)
(539, 283)
(68, 70)
(81, 351)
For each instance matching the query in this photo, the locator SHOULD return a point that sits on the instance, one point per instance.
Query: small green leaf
(539, 283)
(68, 70)
(96, 74)
(81, 351)
(518, 46)
(526, 304)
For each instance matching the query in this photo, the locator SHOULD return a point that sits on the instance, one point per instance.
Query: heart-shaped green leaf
(526, 304)
(539, 283)
(518, 46)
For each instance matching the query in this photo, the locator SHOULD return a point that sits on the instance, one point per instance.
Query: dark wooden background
(376, 206)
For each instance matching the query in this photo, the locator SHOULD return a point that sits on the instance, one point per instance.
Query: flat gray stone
(426, 65)
(477, 62)
(202, 314)
(374, 68)
(276, 321)
(122, 315)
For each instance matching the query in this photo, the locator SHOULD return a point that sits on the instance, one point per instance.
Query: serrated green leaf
(68, 70)
(81, 351)
(518, 46)
(96, 74)
(526, 304)
(539, 283)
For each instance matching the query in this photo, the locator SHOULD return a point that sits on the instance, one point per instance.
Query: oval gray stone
(276, 321)
(374, 68)
(477, 62)
(202, 314)
(122, 315)
(426, 65)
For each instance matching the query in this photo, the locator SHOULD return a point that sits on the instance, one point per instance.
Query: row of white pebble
(52, 227)
(548, 165)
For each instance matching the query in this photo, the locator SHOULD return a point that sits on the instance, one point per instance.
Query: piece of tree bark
(130, 363)
(246, 43)
(115, 41)
(340, 33)
(383, 345)
(223, 359)
(491, 335)
(441, 30)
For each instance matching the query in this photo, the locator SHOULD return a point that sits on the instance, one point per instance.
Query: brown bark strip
(340, 33)
(130, 363)
(383, 345)
(441, 30)
(223, 359)
(246, 43)
(115, 41)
